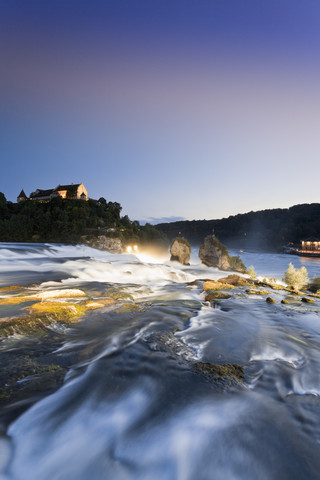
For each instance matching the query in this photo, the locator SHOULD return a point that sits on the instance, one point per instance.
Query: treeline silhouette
(67, 220)
(265, 229)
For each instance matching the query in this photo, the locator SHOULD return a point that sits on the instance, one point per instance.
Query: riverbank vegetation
(265, 229)
(296, 277)
(67, 220)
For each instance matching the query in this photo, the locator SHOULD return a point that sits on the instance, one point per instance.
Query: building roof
(41, 193)
(22, 194)
(66, 187)
(47, 193)
(311, 239)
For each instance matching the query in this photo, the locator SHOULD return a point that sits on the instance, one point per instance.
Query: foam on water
(84, 264)
(275, 353)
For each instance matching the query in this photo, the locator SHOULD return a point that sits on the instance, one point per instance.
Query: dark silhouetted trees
(67, 220)
(265, 229)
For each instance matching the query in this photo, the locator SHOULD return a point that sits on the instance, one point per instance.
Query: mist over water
(132, 404)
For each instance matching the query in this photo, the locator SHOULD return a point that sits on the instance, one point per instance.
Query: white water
(132, 405)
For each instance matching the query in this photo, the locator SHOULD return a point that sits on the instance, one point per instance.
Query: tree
(3, 200)
(295, 277)
(114, 209)
(102, 202)
(252, 272)
(72, 192)
(125, 221)
(3, 205)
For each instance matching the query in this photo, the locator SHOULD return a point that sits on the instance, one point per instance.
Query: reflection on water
(132, 405)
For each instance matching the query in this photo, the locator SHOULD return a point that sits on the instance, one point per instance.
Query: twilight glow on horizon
(175, 109)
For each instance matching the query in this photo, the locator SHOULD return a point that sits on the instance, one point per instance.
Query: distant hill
(265, 229)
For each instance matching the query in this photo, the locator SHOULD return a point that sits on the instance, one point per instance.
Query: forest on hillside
(67, 220)
(265, 229)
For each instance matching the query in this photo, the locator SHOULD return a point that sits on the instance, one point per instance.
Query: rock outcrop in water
(213, 254)
(102, 242)
(180, 250)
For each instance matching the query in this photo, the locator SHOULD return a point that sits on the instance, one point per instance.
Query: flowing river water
(132, 405)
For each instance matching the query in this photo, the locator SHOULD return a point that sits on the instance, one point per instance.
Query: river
(133, 407)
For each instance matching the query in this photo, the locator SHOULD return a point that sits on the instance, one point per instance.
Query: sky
(195, 109)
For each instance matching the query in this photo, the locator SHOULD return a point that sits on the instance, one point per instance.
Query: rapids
(131, 405)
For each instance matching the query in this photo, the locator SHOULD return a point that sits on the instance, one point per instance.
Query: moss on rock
(40, 316)
(11, 288)
(26, 376)
(216, 371)
(237, 264)
(214, 295)
(307, 300)
(270, 300)
(49, 294)
(253, 291)
(214, 285)
(236, 280)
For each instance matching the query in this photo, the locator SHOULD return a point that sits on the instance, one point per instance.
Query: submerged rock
(307, 300)
(252, 291)
(214, 295)
(270, 300)
(230, 370)
(43, 314)
(180, 250)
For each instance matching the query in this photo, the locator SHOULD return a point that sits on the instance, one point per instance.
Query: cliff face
(211, 255)
(101, 242)
(180, 250)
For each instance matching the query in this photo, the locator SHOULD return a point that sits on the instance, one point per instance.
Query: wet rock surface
(29, 371)
(102, 242)
(236, 281)
(212, 254)
(180, 251)
(270, 300)
(216, 285)
(215, 295)
(216, 371)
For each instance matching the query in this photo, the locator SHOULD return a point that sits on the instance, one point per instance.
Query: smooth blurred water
(274, 265)
(133, 406)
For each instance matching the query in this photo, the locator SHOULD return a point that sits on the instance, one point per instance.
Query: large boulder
(101, 242)
(180, 250)
(213, 254)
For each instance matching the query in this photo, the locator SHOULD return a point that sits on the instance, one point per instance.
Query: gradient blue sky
(174, 108)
